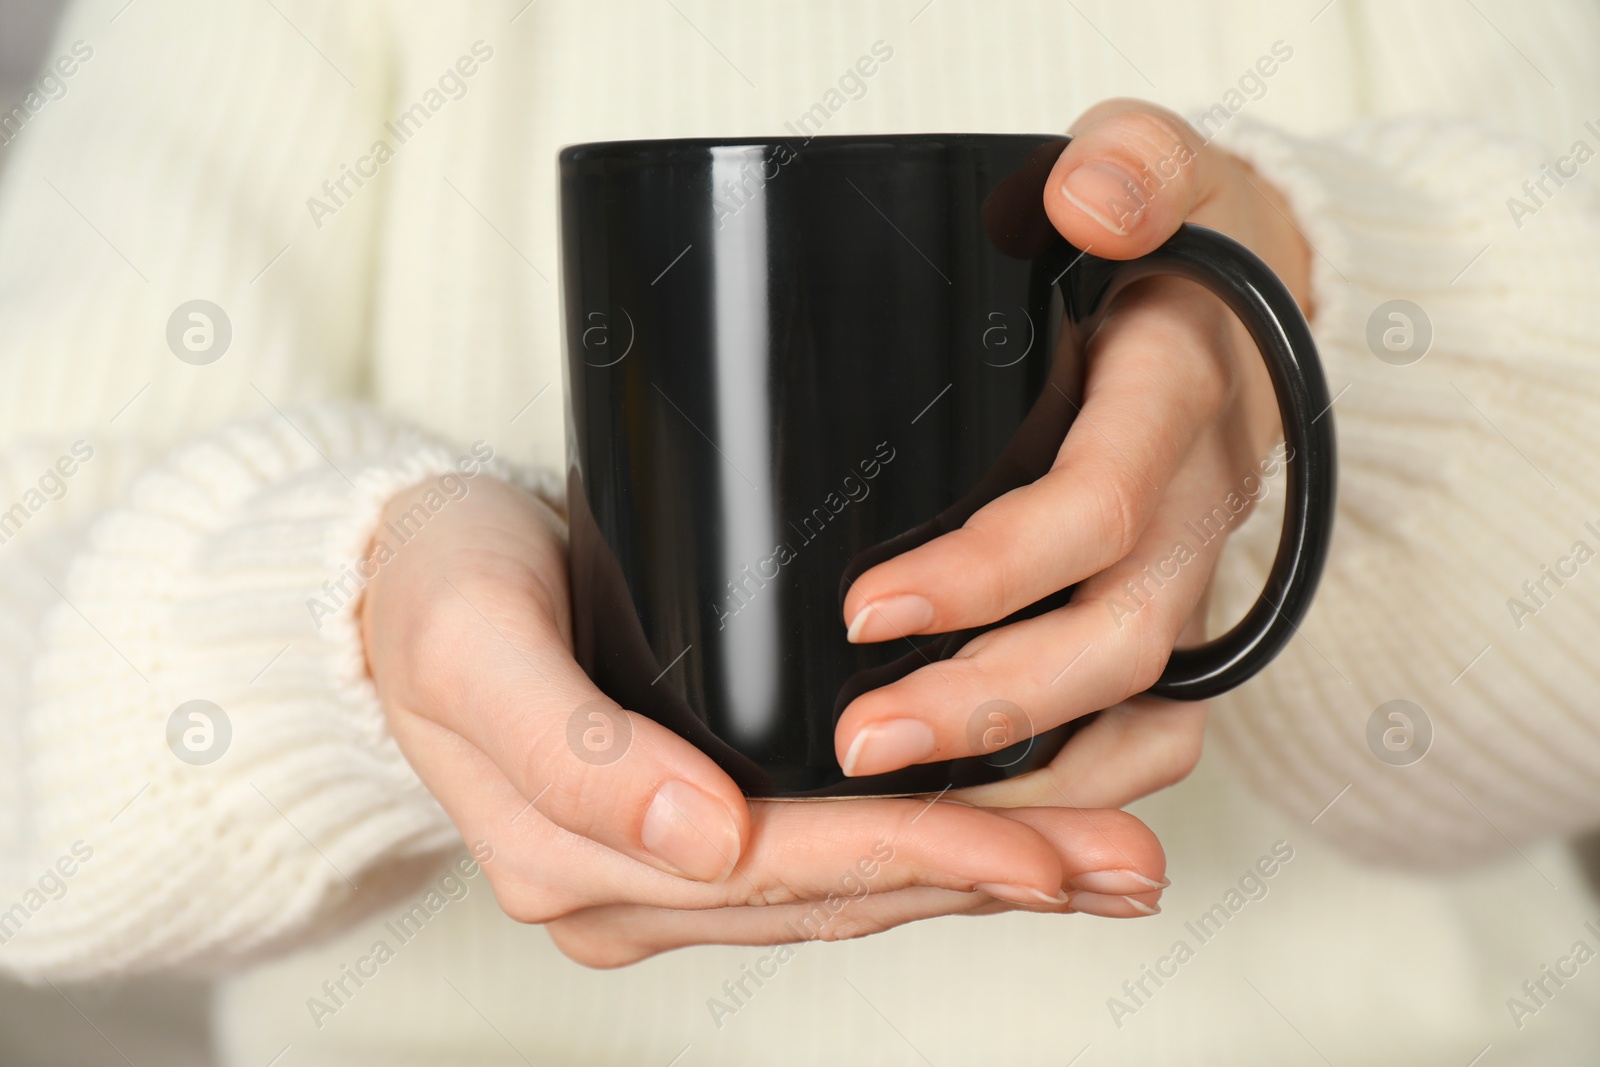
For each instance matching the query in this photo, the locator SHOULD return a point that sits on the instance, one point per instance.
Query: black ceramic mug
(787, 362)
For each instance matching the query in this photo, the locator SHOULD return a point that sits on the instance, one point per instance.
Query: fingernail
(690, 832)
(1106, 193)
(1111, 906)
(1115, 882)
(894, 616)
(888, 746)
(1019, 894)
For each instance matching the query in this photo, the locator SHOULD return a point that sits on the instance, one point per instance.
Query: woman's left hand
(1178, 414)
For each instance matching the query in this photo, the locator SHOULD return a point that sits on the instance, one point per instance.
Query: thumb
(1131, 175)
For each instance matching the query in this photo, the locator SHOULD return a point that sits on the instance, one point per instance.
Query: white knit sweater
(228, 152)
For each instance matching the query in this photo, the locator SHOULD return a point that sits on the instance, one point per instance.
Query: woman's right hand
(652, 847)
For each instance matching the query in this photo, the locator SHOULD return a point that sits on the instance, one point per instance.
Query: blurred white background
(147, 1023)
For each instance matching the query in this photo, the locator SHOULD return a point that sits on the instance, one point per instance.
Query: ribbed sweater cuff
(231, 575)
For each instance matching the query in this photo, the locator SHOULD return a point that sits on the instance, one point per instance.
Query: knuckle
(1184, 745)
(1163, 149)
(597, 810)
(574, 759)
(1118, 507)
(820, 922)
(1150, 649)
(907, 829)
(593, 944)
(1014, 581)
(770, 895)
(985, 552)
(1183, 758)
(437, 641)
(539, 764)
(531, 905)
(1226, 349)
(537, 770)
(1158, 134)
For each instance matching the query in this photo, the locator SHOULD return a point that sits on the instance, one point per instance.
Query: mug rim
(671, 147)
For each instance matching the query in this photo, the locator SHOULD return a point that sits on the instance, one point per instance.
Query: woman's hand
(1178, 416)
(646, 845)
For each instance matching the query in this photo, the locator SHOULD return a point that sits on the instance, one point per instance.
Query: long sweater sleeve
(1467, 510)
(228, 573)
(178, 562)
(181, 530)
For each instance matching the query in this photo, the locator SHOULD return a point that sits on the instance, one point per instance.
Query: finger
(1100, 849)
(813, 850)
(796, 852)
(621, 934)
(1136, 748)
(1112, 864)
(499, 674)
(1111, 642)
(1131, 175)
(1153, 384)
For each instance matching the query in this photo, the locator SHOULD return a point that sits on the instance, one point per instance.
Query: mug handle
(1261, 301)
